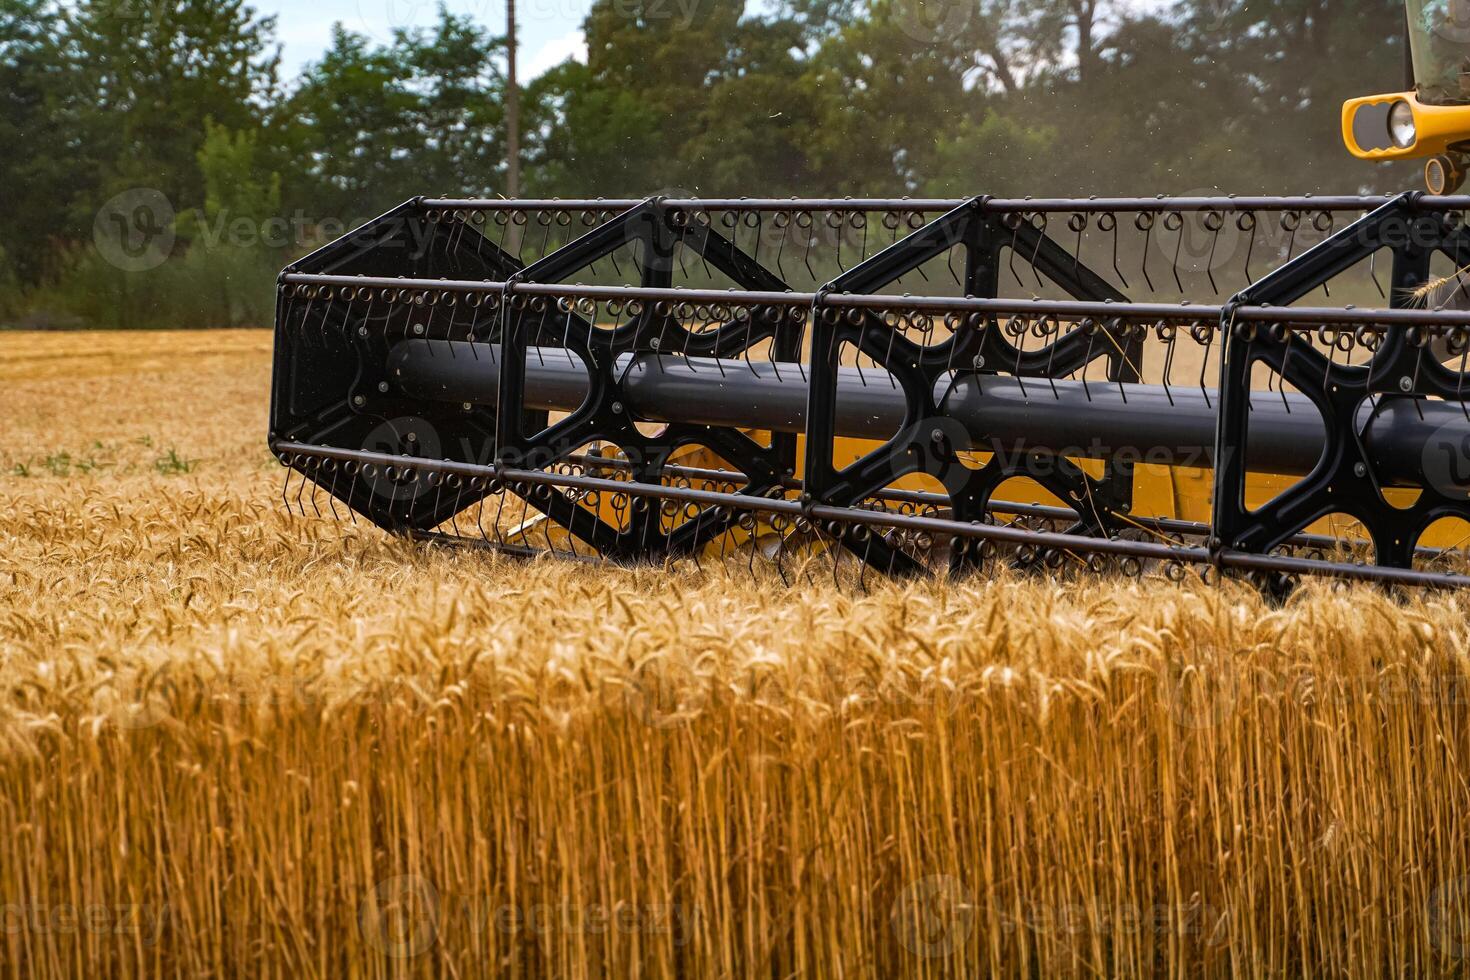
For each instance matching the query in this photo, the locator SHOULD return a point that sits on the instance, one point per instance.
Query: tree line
(186, 100)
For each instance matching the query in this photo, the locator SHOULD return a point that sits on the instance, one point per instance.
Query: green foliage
(203, 287)
(172, 464)
(29, 81)
(373, 125)
(714, 97)
(143, 78)
(235, 182)
(9, 288)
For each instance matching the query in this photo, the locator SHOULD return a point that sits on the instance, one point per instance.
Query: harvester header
(899, 387)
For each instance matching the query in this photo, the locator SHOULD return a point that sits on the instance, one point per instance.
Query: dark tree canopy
(714, 97)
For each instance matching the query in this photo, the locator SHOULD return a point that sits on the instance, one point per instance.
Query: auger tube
(1172, 426)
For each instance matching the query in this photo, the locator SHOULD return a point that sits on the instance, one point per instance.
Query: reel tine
(332, 492)
(286, 487)
(300, 489)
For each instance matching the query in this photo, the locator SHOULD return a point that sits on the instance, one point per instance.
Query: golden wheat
(238, 743)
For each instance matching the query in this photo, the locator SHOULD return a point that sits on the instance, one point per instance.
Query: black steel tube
(1100, 419)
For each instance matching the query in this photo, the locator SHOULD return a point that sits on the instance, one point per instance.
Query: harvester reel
(640, 381)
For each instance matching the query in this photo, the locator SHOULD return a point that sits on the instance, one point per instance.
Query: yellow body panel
(1439, 127)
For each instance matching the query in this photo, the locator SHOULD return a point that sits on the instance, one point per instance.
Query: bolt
(1406, 383)
(617, 408)
(359, 400)
(654, 343)
(1360, 469)
(412, 437)
(468, 407)
(979, 362)
(937, 435)
(418, 329)
(383, 387)
(362, 331)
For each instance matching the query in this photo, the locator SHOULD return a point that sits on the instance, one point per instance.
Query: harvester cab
(1432, 118)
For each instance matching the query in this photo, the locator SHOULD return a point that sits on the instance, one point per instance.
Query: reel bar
(838, 516)
(1295, 317)
(1001, 414)
(1087, 205)
(1164, 525)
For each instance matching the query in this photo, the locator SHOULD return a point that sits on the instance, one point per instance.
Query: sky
(551, 30)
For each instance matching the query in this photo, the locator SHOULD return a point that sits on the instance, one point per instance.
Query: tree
(459, 114)
(371, 125)
(349, 129)
(32, 146)
(144, 77)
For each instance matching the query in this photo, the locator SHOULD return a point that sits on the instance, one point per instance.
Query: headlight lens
(1401, 125)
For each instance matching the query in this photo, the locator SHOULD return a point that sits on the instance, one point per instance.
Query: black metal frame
(333, 395)
(928, 442)
(531, 321)
(1346, 478)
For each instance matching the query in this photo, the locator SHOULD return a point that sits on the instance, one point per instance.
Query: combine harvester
(910, 386)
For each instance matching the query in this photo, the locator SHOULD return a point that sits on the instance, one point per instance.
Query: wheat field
(238, 743)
